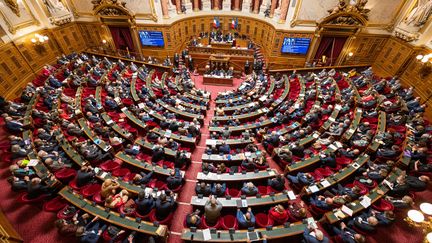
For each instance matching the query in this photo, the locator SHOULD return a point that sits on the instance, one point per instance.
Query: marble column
(164, 4)
(178, 6)
(273, 7)
(216, 4)
(284, 11)
(196, 5)
(256, 6)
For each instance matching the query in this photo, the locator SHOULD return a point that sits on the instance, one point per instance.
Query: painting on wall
(17, 17)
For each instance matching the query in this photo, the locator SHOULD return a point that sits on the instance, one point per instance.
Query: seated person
(218, 189)
(117, 200)
(312, 235)
(364, 222)
(404, 202)
(66, 228)
(193, 219)
(144, 203)
(353, 192)
(245, 220)
(224, 148)
(175, 179)
(249, 189)
(36, 189)
(203, 189)
(348, 235)
(298, 210)
(84, 176)
(417, 183)
(164, 206)
(324, 203)
(142, 178)
(277, 183)
(384, 218)
(93, 231)
(278, 214)
(109, 188)
(301, 179)
(212, 210)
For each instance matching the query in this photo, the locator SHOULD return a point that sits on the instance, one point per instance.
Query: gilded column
(256, 6)
(178, 6)
(216, 4)
(196, 5)
(284, 11)
(273, 7)
(164, 4)
(237, 5)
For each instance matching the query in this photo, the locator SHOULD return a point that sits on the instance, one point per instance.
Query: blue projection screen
(295, 45)
(151, 38)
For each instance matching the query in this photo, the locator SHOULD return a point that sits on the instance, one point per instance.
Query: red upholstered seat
(74, 186)
(62, 215)
(91, 190)
(158, 184)
(316, 211)
(121, 210)
(120, 172)
(129, 177)
(65, 175)
(205, 225)
(374, 184)
(229, 221)
(262, 220)
(54, 205)
(233, 192)
(23, 198)
(97, 198)
(263, 190)
(144, 217)
(343, 160)
(383, 205)
(109, 166)
(161, 221)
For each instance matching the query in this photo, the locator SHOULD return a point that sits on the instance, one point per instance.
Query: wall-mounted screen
(294, 45)
(151, 38)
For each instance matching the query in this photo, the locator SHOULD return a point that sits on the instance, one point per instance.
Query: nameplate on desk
(313, 189)
(141, 105)
(242, 203)
(109, 122)
(315, 135)
(355, 165)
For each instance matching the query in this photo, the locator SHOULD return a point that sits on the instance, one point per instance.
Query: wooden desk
(373, 195)
(241, 235)
(7, 232)
(220, 81)
(251, 201)
(235, 177)
(113, 217)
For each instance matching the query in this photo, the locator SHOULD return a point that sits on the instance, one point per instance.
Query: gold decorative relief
(13, 5)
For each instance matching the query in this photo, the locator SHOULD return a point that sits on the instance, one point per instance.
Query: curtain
(122, 38)
(326, 43)
(338, 45)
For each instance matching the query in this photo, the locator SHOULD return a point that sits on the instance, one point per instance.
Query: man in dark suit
(277, 183)
(245, 220)
(364, 222)
(348, 235)
(203, 189)
(164, 206)
(218, 189)
(84, 176)
(311, 235)
(249, 189)
(144, 203)
(193, 219)
(174, 180)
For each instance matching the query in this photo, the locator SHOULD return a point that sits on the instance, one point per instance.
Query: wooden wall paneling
(70, 39)
(392, 57)
(365, 49)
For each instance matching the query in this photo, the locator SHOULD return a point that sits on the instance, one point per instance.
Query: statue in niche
(420, 14)
(56, 7)
(13, 5)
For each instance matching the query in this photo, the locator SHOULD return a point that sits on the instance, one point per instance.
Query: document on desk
(313, 188)
(33, 162)
(206, 234)
(366, 201)
(325, 183)
(141, 105)
(291, 195)
(339, 214)
(347, 210)
(332, 147)
(252, 236)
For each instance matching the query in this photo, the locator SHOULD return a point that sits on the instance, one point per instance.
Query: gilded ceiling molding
(345, 9)
(12, 28)
(111, 8)
(13, 5)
